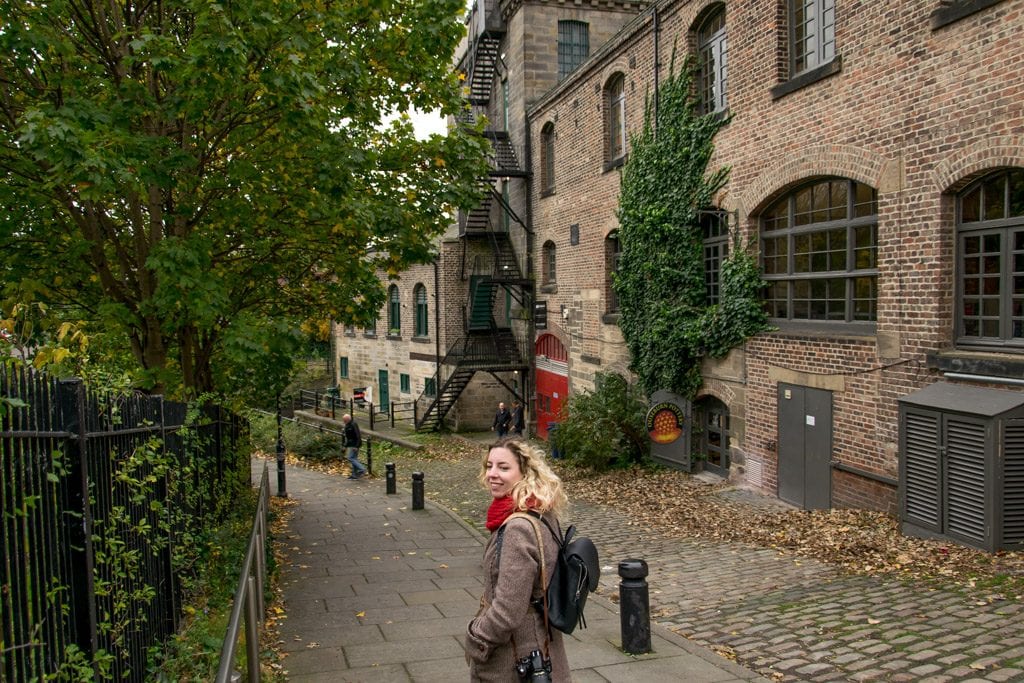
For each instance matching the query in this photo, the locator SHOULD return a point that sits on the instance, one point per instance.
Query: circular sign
(665, 422)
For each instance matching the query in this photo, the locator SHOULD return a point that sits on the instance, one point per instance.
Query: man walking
(502, 419)
(352, 442)
(518, 419)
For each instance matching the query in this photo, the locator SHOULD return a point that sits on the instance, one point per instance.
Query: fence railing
(249, 595)
(99, 498)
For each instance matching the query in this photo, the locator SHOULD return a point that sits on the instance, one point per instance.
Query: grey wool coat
(505, 614)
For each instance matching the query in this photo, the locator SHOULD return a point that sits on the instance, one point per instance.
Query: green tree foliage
(604, 428)
(190, 176)
(665, 317)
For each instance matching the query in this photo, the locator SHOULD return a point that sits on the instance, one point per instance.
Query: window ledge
(549, 289)
(370, 335)
(954, 11)
(391, 336)
(822, 328)
(614, 163)
(350, 334)
(547, 192)
(611, 318)
(421, 339)
(808, 77)
(979, 363)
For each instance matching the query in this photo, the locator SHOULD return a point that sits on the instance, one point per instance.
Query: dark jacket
(353, 437)
(518, 423)
(505, 611)
(502, 418)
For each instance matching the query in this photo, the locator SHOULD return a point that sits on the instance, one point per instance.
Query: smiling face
(502, 471)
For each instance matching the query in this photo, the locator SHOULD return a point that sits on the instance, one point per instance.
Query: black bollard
(634, 607)
(390, 478)
(369, 457)
(417, 490)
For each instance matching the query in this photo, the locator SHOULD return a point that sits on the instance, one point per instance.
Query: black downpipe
(528, 299)
(657, 62)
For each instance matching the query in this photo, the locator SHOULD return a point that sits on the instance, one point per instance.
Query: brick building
(877, 160)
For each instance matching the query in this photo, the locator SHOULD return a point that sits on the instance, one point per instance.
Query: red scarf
(501, 508)
(499, 511)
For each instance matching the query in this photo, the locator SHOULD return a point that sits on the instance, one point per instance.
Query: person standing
(508, 630)
(502, 419)
(518, 419)
(352, 440)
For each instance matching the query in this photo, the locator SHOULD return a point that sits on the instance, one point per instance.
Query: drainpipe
(528, 380)
(657, 62)
(437, 323)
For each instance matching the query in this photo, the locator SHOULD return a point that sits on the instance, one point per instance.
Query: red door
(552, 381)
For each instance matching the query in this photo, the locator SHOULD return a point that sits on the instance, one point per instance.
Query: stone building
(876, 156)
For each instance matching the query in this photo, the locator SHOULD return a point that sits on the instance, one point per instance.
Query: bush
(306, 442)
(604, 429)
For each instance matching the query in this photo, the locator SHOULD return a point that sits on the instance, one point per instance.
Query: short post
(369, 456)
(417, 490)
(281, 491)
(634, 607)
(389, 477)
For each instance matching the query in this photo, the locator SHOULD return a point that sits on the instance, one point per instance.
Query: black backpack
(574, 574)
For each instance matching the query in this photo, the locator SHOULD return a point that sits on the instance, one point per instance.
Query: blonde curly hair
(539, 484)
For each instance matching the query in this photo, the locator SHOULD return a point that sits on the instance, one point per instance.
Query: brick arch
(703, 13)
(717, 389)
(845, 161)
(960, 168)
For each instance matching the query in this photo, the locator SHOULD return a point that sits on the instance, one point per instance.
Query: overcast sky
(426, 124)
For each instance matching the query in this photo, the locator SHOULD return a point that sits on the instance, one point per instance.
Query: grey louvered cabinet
(962, 465)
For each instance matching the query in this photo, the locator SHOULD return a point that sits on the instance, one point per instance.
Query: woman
(508, 628)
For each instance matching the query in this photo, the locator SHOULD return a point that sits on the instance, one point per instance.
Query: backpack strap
(532, 516)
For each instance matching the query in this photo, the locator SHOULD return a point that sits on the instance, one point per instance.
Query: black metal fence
(102, 498)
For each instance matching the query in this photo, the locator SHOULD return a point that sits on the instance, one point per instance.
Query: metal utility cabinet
(962, 465)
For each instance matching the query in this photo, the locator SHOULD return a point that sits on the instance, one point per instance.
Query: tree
(666, 320)
(191, 174)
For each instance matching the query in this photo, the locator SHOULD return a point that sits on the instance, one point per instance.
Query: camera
(534, 668)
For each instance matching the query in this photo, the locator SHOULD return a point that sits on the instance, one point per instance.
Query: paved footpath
(376, 591)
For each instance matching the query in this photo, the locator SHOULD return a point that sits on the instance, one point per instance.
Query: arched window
(819, 246)
(713, 67)
(990, 261)
(394, 311)
(547, 158)
(612, 253)
(615, 119)
(548, 265)
(419, 295)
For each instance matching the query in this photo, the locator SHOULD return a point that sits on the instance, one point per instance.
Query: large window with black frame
(819, 250)
(990, 261)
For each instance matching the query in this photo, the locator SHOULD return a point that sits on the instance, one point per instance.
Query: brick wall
(913, 112)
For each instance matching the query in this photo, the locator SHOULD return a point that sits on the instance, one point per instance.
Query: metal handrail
(249, 594)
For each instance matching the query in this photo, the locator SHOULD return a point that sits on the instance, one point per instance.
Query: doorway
(805, 446)
(384, 404)
(713, 445)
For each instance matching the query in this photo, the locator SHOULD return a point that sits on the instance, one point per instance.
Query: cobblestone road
(793, 619)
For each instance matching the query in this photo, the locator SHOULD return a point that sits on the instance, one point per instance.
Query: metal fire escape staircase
(485, 345)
